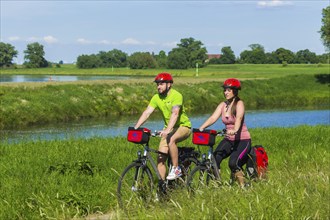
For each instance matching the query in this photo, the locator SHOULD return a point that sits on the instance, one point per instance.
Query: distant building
(211, 56)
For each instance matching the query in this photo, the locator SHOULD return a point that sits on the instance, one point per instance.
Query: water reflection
(112, 127)
(56, 78)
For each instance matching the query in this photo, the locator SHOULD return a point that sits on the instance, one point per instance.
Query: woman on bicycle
(237, 142)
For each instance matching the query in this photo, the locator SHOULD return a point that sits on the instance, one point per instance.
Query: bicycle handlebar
(155, 133)
(222, 132)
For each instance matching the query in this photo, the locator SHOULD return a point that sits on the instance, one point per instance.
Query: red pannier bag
(257, 164)
(262, 161)
(205, 137)
(139, 135)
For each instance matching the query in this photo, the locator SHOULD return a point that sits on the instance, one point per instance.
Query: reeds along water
(26, 106)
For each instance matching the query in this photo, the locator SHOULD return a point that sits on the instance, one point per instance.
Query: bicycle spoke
(135, 184)
(201, 177)
(187, 166)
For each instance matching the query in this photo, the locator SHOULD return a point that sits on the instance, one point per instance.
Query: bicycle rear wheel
(202, 177)
(187, 165)
(135, 184)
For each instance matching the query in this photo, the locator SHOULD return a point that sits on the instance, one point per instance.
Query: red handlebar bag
(205, 137)
(138, 136)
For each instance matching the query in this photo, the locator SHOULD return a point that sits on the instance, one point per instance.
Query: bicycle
(137, 182)
(207, 172)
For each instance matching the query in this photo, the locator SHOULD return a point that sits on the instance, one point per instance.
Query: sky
(68, 29)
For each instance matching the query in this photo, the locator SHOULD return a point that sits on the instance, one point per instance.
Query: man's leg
(161, 160)
(179, 135)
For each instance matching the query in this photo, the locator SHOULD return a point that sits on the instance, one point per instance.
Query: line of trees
(257, 55)
(188, 53)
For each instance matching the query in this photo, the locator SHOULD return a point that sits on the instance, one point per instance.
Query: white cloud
(83, 41)
(14, 38)
(34, 39)
(50, 39)
(170, 44)
(131, 41)
(106, 42)
(273, 3)
(151, 43)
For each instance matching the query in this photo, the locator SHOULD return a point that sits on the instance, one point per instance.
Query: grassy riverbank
(77, 178)
(22, 106)
(250, 71)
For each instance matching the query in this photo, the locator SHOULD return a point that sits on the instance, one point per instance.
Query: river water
(112, 127)
(57, 78)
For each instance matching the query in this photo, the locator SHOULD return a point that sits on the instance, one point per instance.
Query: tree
(271, 58)
(325, 28)
(7, 53)
(141, 60)
(105, 59)
(119, 58)
(177, 59)
(324, 58)
(227, 56)
(161, 59)
(284, 55)
(113, 58)
(34, 54)
(305, 56)
(88, 61)
(193, 50)
(256, 55)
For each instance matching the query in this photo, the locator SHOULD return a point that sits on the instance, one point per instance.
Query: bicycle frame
(147, 157)
(210, 162)
(207, 169)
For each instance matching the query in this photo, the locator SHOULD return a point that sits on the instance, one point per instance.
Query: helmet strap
(167, 90)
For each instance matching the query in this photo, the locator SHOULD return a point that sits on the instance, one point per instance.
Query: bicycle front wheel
(202, 177)
(135, 184)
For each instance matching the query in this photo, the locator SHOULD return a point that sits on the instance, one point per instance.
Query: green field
(77, 178)
(250, 71)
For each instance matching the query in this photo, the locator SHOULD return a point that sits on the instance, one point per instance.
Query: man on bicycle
(177, 124)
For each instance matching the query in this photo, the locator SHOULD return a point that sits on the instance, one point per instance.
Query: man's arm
(173, 119)
(145, 115)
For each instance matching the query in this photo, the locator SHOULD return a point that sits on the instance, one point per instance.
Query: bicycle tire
(135, 184)
(187, 165)
(202, 177)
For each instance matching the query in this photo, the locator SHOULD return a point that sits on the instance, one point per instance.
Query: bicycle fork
(211, 164)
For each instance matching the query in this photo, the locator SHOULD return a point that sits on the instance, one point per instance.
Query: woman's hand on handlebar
(231, 132)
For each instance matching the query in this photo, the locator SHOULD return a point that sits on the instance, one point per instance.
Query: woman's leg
(238, 158)
(222, 151)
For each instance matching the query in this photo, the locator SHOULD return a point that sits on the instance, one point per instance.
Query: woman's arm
(213, 118)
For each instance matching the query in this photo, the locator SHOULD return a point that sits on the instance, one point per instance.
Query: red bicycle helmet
(163, 77)
(232, 83)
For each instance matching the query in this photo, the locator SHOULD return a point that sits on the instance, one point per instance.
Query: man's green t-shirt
(165, 105)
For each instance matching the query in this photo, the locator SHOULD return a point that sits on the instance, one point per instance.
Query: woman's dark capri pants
(237, 150)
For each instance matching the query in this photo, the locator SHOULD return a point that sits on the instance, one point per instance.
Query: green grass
(250, 71)
(63, 179)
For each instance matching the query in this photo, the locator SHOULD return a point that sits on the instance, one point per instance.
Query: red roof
(211, 56)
